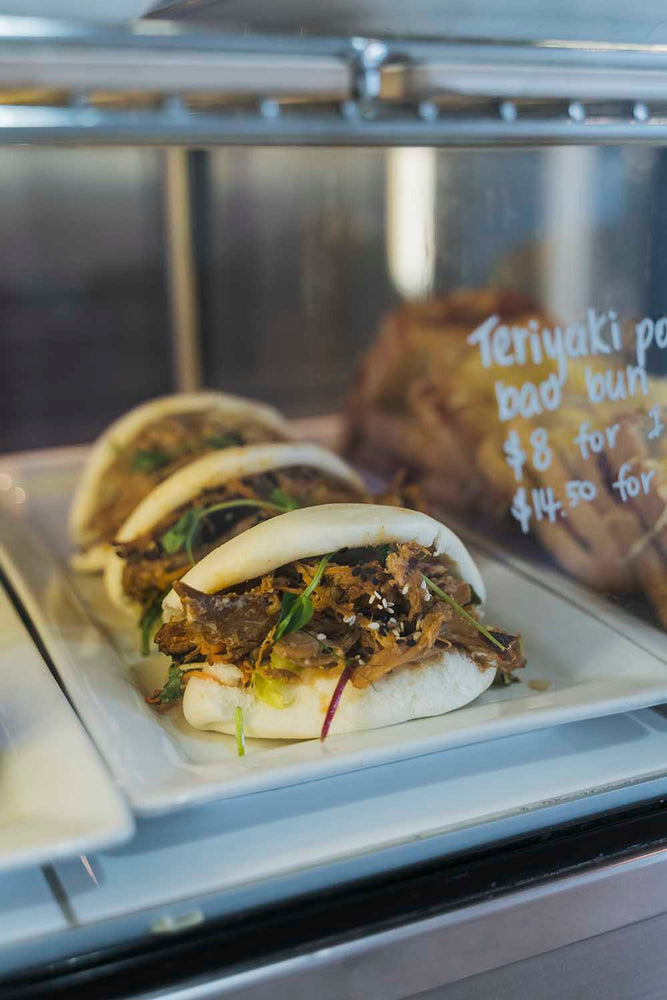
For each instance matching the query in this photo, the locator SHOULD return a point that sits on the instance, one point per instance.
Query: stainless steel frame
(155, 83)
(456, 949)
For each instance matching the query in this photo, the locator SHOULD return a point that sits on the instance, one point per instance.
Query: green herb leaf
(240, 734)
(298, 614)
(383, 552)
(149, 460)
(232, 439)
(474, 596)
(183, 534)
(286, 604)
(297, 610)
(283, 500)
(439, 592)
(149, 621)
(177, 537)
(173, 689)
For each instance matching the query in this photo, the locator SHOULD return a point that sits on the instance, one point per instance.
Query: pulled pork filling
(156, 452)
(371, 611)
(154, 560)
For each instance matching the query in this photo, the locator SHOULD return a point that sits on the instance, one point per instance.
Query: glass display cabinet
(433, 238)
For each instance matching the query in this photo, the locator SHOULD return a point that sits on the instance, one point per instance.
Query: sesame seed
(417, 635)
(396, 633)
(350, 619)
(392, 621)
(377, 595)
(384, 603)
(371, 599)
(321, 636)
(405, 589)
(374, 625)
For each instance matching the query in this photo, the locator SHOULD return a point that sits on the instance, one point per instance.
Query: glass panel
(514, 302)
(85, 332)
(499, 314)
(525, 392)
(297, 273)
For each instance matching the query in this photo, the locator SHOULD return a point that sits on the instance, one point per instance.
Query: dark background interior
(292, 254)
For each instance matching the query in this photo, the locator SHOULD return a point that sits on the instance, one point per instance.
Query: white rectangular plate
(56, 797)
(591, 670)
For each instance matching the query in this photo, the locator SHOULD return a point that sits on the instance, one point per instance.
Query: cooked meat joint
(153, 561)
(371, 608)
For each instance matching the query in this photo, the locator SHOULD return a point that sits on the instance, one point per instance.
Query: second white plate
(56, 798)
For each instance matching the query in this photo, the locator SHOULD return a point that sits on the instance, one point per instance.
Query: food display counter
(457, 334)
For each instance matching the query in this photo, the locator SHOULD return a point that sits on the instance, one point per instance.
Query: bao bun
(212, 470)
(105, 449)
(444, 681)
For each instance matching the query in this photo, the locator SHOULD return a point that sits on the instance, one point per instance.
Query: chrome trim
(344, 124)
(433, 952)
(157, 83)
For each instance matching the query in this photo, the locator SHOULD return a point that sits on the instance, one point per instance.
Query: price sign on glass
(544, 506)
